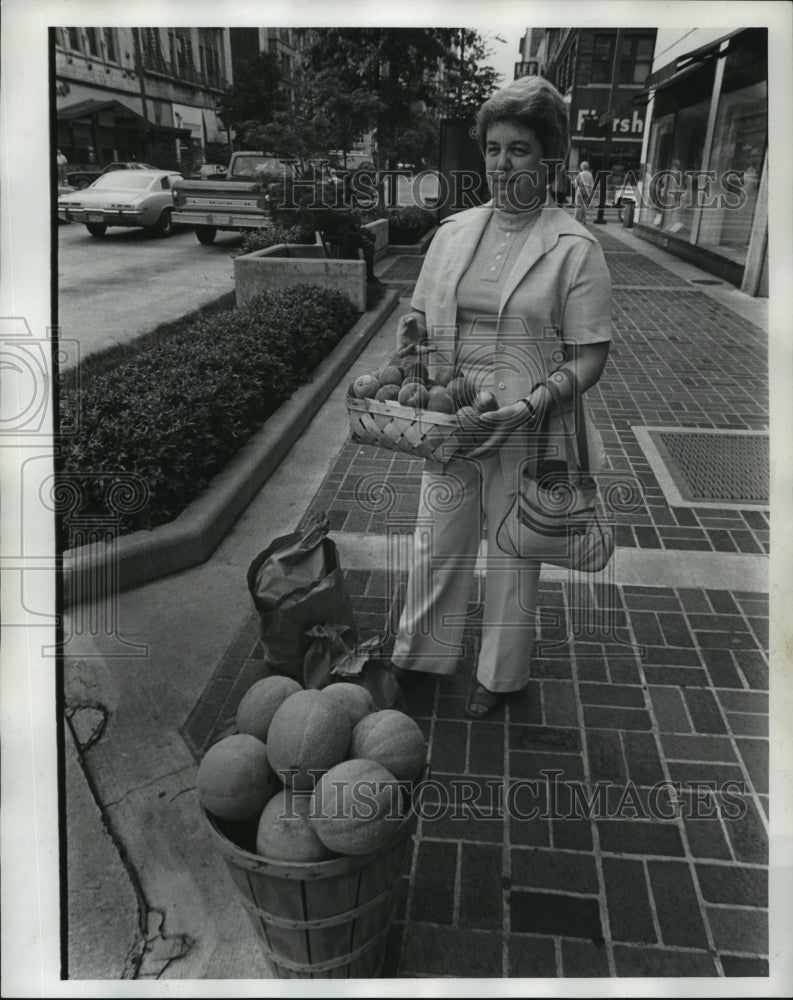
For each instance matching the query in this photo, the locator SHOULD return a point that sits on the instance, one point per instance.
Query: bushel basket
(422, 433)
(320, 920)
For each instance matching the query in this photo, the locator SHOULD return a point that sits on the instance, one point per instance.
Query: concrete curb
(193, 536)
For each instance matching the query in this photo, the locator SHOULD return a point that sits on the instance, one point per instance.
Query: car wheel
(206, 234)
(163, 226)
(96, 228)
(81, 183)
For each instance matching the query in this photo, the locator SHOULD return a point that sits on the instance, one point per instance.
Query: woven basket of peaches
(399, 407)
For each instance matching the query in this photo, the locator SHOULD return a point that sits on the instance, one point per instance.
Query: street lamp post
(601, 218)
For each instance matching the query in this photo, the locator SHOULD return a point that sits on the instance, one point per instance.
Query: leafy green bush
(176, 412)
(271, 235)
(408, 225)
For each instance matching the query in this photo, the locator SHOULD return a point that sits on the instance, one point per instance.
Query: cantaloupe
(260, 702)
(354, 698)
(235, 778)
(357, 807)
(285, 832)
(308, 734)
(392, 739)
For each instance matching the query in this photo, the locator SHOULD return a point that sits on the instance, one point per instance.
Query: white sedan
(123, 198)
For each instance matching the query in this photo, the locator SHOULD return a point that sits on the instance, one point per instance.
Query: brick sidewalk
(673, 694)
(683, 698)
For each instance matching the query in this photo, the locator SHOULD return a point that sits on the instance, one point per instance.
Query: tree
(467, 80)
(395, 65)
(416, 73)
(341, 115)
(256, 93)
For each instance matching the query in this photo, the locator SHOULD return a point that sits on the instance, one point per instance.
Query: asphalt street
(114, 289)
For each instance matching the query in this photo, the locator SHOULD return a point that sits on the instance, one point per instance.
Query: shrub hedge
(177, 411)
(408, 225)
(271, 235)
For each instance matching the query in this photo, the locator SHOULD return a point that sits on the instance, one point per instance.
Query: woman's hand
(501, 423)
(411, 336)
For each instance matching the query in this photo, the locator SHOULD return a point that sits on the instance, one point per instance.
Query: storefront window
(660, 152)
(677, 144)
(739, 143)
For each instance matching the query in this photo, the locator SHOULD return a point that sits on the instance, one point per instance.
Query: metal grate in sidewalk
(709, 467)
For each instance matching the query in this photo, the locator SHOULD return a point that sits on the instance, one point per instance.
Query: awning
(679, 68)
(85, 109)
(638, 99)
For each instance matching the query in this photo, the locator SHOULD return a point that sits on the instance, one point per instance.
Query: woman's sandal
(482, 702)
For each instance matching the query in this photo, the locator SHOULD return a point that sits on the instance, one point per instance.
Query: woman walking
(510, 291)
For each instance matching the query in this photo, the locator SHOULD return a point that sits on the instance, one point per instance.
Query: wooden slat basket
(322, 920)
(421, 433)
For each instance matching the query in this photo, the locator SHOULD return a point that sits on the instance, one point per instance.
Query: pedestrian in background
(512, 290)
(584, 183)
(62, 162)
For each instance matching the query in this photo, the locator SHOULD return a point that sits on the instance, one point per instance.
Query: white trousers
(453, 506)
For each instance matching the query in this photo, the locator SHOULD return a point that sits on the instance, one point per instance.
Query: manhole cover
(709, 468)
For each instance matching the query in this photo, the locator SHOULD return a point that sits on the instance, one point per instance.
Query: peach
(413, 394)
(460, 391)
(365, 386)
(387, 392)
(484, 401)
(445, 373)
(390, 375)
(440, 400)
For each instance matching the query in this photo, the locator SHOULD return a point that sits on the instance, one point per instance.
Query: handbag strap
(554, 387)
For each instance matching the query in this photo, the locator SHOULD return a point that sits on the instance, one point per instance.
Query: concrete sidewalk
(674, 690)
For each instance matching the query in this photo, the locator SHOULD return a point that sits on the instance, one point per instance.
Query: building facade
(601, 72)
(705, 190)
(532, 53)
(147, 94)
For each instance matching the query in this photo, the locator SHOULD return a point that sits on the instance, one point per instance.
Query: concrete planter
(289, 264)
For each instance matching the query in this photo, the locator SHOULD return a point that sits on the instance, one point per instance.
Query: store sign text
(620, 126)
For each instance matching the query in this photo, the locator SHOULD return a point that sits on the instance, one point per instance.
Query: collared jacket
(563, 287)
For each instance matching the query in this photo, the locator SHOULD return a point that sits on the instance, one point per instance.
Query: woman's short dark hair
(534, 103)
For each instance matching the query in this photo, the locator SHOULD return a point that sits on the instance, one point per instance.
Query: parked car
(82, 178)
(62, 189)
(123, 198)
